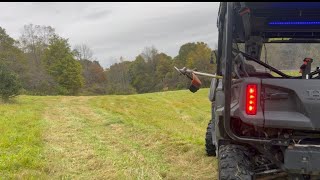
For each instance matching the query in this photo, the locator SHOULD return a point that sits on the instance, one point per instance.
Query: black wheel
(210, 147)
(234, 163)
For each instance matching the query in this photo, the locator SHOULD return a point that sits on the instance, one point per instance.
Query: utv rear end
(264, 125)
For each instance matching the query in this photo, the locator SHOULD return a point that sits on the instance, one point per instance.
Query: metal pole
(227, 77)
(209, 75)
(185, 70)
(227, 71)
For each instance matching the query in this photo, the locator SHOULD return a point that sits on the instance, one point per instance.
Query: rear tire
(234, 163)
(210, 147)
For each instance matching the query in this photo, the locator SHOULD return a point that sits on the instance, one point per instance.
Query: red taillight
(251, 99)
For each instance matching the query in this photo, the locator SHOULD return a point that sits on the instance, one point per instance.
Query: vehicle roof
(284, 19)
(283, 5)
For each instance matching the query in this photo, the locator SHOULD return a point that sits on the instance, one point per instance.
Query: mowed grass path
(147, 136)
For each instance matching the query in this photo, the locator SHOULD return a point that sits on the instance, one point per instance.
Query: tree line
(40, 62)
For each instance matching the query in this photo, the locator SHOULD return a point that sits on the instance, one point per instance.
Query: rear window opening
(286, 57)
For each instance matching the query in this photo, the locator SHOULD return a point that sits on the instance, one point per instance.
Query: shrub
(9, 84)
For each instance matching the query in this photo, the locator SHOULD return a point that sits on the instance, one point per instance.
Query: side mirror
(213, 57)
(195, 83)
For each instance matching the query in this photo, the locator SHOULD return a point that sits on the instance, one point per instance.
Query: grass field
(288, 72)
(148, 136)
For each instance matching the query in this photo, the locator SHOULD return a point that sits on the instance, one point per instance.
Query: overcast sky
(123, 29)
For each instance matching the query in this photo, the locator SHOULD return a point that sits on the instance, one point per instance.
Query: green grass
(172, 123)
(147, 136)
(292, 72)
(21, 145)
(288, 72)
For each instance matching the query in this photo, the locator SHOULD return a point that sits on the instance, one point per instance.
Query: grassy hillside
(288, 72)
(148, 136)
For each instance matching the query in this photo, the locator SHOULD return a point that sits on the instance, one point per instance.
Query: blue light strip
(294, 23)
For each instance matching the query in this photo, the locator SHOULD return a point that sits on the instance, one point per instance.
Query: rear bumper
(302, 160)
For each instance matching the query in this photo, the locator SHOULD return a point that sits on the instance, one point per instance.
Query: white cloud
(118, 29)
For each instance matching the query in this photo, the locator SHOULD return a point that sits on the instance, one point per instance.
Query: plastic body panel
(300, 110)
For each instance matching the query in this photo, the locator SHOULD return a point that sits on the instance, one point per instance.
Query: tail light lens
(251, 99)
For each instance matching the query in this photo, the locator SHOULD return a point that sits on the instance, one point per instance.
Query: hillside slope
(146, 136)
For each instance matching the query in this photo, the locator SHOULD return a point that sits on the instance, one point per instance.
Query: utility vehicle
(265, 123)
